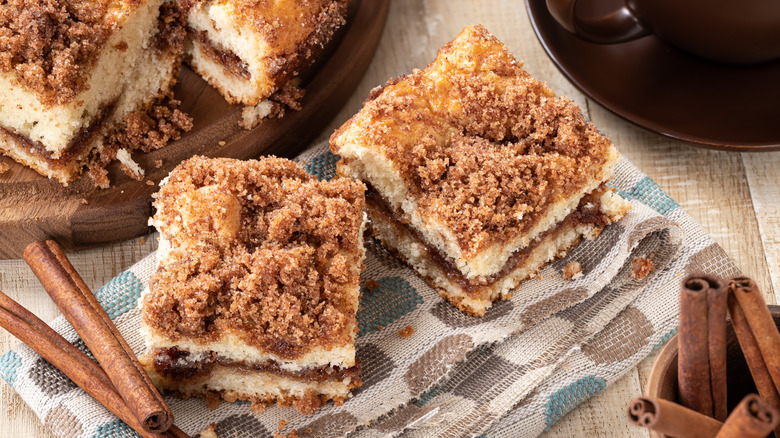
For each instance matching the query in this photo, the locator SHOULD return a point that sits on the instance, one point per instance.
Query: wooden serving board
(79, 216)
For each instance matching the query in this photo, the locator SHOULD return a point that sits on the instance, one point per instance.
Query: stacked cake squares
(476, 174)
(256, 292)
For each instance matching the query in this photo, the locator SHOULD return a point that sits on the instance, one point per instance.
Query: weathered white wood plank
(763, 176)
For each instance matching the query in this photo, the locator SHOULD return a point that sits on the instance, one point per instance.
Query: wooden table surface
(733, 195)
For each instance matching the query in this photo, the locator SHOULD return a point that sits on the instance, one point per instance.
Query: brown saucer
(665, 90)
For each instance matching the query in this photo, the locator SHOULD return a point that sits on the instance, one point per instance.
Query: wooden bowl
(663, 377)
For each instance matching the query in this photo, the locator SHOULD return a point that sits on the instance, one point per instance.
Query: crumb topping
(147, 130)
(51, 44)
(152, 129)
(481, 145)
(171, 28)
(261, 249)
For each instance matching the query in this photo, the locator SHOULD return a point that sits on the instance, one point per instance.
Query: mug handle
(618, 26)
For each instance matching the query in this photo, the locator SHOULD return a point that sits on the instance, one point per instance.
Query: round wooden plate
(79, 216)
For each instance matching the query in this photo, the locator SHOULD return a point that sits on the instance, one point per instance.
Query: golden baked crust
(292, 28)
(51, 44)
(481, 146)
(278, 39)
(263, 250)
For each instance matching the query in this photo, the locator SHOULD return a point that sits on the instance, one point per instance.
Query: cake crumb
(288, 97)
(257, 408)
(308, 430)
(282, 423)
(293, 434)
(4, 168)
(221, 143)
(157, 164)
(99, 175)
(212, 400)
(371, 285)
(209, 432)
(572, 271)
(152, 129)
(641, 267)
(252, 116)
(84, 201)
(406, 332)
(149, 182)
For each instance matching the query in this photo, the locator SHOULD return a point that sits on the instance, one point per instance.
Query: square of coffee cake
(256, 291)
(72, 70)
(476, 174)
(248, 50)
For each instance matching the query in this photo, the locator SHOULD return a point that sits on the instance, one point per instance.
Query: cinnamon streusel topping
(482, 146)
(261, 249)
(51, 44)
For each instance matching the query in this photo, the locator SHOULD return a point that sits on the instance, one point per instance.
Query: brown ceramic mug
(729, 31)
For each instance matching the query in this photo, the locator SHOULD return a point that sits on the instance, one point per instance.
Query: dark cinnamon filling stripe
(167, 362)
(227, 59)
(74, 147)
(591, 215)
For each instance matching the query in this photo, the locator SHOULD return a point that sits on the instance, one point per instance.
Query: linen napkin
(514, 372)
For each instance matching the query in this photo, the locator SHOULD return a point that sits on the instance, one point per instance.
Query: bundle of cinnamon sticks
(702, 410)
(119, 383)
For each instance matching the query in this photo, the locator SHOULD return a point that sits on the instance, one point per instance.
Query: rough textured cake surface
(475, 155)
(250, 49)
(51, 45)
(258, 268)
(72, 71)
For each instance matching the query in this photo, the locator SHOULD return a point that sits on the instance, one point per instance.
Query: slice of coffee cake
(477, 174)
(72, 70)
(256, 292)
(248, 50)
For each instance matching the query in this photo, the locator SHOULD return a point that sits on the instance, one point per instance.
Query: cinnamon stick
(669, 418)
(752, 418)
(72, 296)
(761, 323)
(756, 364)
(85, 373)
(717, 303)
(751, 352)
(693, 364)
